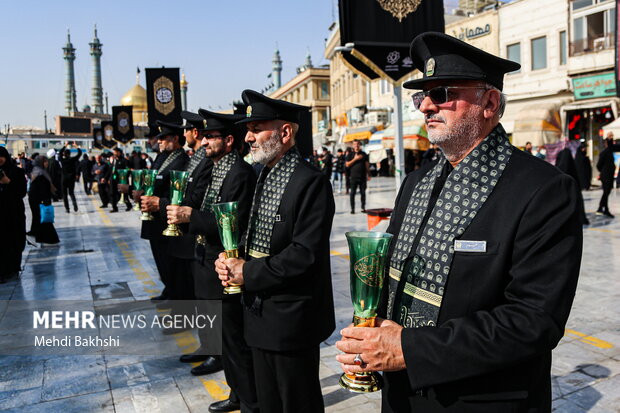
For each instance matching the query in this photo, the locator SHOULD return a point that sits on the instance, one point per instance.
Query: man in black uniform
(101, 172)
(181, 249)
(118, 162)
(289, 308)
(359, 172)
(171, 157)
(485, 257)
(232, 179)
(85, 168)
(606, 167)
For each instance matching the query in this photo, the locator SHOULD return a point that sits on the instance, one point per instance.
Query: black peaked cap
(167, 128)
(192, 120)
(218, 121)
(261, 107)
(442, 57)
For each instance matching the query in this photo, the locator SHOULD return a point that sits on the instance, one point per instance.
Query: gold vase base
(136, 207)
(146, 216)
(361, 382)
(232, 253)
(233, 289)
(172, 231)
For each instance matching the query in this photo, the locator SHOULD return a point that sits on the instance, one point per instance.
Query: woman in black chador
(41, 189)
(12, 217)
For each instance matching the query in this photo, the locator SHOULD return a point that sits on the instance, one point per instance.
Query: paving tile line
(187, 343)
(584, 338)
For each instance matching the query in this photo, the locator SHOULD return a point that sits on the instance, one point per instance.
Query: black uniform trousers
(115, 195)
(159, 245)
(603, 205)
(287, 381)
(68, 186)
(103, 193)
(181, 284)
(88, 184)
(237, 356)
(361, 184)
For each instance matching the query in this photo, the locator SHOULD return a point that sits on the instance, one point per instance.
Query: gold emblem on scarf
(367, 270)
(123, 122)
(164, 95)
(399, 8)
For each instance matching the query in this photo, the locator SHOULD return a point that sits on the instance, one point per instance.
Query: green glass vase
(178, 183)
(122, 176)
(148, 184)
(136, 181)
(228, 229)
(367, 257)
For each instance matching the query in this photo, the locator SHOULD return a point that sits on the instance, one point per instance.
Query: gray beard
(268, 150)
(460, 139)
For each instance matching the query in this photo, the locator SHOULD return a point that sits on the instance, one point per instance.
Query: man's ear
(229, 141)
(287, 133)
(491, 103)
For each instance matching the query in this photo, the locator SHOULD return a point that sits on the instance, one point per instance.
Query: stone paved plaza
(101, 253)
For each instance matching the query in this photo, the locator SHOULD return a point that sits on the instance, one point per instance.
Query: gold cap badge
(204, 122)
(430, 67)
(248, 111)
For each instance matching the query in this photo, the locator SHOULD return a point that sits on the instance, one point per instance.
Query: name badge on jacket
(159, 177)
(469, 246)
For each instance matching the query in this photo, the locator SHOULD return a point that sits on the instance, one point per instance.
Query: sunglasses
(209, 136)
(438, 94)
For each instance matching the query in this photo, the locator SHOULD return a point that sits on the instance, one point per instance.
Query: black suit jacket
(151, 229)
(294, 282)
(238, 185)
(503, 310)
(183, 246)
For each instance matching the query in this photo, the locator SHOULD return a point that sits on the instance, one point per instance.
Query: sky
(222, 46)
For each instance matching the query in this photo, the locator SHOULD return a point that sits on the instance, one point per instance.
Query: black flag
(107, 128)
(123, 123)
(163, 95)
(97, 137)
(382, 30)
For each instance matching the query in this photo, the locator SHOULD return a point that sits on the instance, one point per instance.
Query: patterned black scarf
(466, 189)
(198, 156)
(261, 223)
(220, 170)
(173, 155)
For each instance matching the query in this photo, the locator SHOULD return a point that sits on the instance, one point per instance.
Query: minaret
(276, 72)
(183, 92)
(95, 52)
(70, 96)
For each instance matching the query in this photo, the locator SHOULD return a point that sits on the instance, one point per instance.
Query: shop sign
(597, 86)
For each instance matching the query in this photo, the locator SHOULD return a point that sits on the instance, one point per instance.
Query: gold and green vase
(178, 183)
(228, 229)
(148, 185)
(136, 181)
(367, 257)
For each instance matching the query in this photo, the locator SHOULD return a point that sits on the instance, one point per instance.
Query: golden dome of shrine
(136, 97)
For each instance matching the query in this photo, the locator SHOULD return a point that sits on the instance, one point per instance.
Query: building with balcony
(310, 87)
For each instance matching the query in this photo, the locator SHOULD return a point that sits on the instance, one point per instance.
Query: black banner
(163, 95)
(107, 128)
(97, 137)
(382, 30)
(123, 123)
